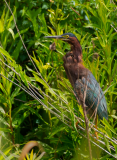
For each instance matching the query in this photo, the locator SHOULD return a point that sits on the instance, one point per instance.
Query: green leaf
(5, 130)
(5, 53)
(1, 26)
(15, 92)
(2, 110)
(50, 90)
(21, 32)
(107, 125)
(3, 121)
(11, 31)
(16, 51)
(107, 144)
(7, 150)
(38, 79)
(55, 131)
(24, 77)
(113, 116)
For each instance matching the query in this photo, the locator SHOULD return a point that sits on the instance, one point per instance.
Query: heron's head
(66, 37)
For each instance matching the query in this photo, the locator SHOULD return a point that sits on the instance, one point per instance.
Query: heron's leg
(96, 122)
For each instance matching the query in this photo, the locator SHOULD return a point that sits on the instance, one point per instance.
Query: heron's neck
(77, 51)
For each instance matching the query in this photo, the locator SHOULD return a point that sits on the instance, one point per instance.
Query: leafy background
(22, 116)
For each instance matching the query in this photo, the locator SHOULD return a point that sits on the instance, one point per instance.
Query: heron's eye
(67, 36)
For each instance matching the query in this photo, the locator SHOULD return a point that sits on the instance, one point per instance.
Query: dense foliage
(24, 117)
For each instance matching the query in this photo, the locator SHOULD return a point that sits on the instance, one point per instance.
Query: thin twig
(114, 28)
(75, 11)
(86, 121)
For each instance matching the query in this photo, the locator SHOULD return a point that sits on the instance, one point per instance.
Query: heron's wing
(95, 99)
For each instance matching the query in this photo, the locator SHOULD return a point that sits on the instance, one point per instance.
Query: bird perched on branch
(82, 79)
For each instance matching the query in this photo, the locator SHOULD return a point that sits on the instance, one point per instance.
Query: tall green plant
(54, 99)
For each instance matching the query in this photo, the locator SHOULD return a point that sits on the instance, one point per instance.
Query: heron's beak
(55, 37)
(58, 37)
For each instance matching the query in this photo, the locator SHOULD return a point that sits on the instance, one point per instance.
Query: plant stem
(86, 122)
(11, 125)
(87, 130)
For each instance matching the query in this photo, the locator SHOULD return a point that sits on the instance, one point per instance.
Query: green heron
(81, 78)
